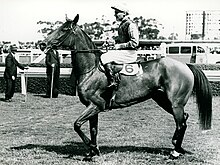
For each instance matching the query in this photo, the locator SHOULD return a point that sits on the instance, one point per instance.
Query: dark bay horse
(168, 82)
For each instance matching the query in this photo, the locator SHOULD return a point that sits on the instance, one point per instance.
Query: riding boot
(110, 75)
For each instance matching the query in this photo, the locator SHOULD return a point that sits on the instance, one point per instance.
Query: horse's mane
(89, 40)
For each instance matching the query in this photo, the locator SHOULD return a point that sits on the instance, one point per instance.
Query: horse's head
(61, 37)
(71, 37)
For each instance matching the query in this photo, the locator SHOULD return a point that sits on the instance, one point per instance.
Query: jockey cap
(121, 8)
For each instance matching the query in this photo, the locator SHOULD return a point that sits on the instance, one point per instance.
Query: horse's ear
(76, 19)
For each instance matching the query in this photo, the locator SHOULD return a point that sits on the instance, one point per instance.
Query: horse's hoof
(181, 151)
(174, 155)
(94, 150)
(97, 151)
(89, 156)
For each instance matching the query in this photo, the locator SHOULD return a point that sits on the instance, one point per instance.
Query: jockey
(126, 44)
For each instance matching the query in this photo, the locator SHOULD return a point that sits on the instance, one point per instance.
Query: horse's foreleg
(91, 113)
(180, 119)
(93, 122)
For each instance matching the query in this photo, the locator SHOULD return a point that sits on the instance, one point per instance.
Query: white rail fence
(27, 56)
(212, 75)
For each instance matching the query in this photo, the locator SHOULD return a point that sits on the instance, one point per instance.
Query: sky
(19, 17)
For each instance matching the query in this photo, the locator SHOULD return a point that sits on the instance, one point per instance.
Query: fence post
(23, 83)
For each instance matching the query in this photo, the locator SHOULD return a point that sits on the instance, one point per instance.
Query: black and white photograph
(110, 82)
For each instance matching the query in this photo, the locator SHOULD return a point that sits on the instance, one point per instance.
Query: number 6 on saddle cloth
(130, 69)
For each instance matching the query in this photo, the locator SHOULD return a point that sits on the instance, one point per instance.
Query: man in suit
(10, 73)
(53, 67)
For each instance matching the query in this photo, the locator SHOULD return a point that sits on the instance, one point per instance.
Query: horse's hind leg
(160, 97)
(180, 117)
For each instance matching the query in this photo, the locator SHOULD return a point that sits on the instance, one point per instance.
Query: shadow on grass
(78, 149)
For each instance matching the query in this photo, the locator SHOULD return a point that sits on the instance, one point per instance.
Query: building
(203, 24)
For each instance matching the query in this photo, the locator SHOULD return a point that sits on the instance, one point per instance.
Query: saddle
(127, 69)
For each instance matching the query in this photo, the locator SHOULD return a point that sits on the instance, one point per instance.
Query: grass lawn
(40, 131)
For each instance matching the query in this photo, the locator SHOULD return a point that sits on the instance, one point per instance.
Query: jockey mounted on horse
(126, 44)
(168, 82)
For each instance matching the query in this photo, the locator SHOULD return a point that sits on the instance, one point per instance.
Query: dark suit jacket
(11, 65)
(52, 57)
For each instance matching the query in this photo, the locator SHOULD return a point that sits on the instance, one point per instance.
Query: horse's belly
(132, 92)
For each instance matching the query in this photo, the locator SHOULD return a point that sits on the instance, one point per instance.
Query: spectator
(53, 67)
(10, 73)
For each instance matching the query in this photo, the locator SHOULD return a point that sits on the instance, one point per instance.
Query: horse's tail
(203, 93)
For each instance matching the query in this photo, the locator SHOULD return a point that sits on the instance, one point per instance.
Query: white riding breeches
(119, 56)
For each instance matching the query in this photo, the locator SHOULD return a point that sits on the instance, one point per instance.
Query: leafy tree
(47, 27)
(94, 29)
(162, 38)
(196, 36)
(173, 36)
(148, 28)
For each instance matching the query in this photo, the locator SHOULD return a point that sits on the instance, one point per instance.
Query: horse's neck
(85, 62)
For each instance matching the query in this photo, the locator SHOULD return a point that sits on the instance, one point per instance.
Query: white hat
(121, 8)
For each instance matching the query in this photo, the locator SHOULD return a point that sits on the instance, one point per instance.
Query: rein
(75, 51)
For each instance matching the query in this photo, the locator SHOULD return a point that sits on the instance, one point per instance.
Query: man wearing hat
(126, 44)
(10, 73)
(52, 62)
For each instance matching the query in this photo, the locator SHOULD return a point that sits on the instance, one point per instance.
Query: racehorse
(168, 82)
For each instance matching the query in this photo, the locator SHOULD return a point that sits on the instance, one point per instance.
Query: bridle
(64, 37)
(70, 31)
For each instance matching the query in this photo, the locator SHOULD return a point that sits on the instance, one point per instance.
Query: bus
(188, 52)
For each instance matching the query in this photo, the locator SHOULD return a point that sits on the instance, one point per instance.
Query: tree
(148, 28)
(94, 30)
(47, 27)
(196, 36)
(173, 36)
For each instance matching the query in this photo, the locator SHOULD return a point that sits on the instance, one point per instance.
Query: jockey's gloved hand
(121, 46)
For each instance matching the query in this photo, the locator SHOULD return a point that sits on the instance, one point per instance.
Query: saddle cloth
(129, 69)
